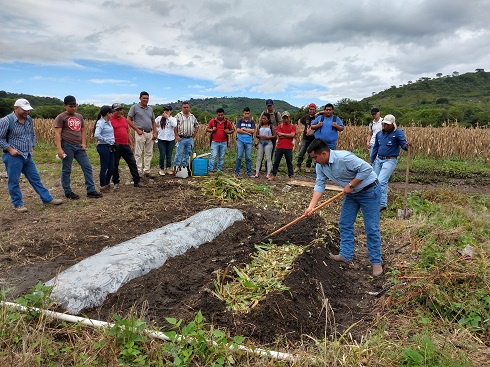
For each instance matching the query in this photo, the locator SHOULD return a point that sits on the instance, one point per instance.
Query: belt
(374, 183)
(146, 131)
(185, 137)
(387, 157)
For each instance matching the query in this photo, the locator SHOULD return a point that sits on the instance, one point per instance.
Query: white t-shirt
(375, 127)
(167, 133)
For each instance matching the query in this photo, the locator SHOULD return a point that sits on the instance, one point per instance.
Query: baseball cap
(312, 105)
(389, 119)
(70, 100)
(116, 106)
(374, 110)
(285, 113)
(23, 103)
(104, 110)
(269, 102)
(168, 108)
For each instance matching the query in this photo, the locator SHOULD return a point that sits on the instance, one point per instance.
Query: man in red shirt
(220, 128)
(121, 135)
(286, 132)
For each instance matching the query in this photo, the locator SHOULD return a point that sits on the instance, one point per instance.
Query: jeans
(288, 153)
(302, 152)
(75, 152)
(143, 144)
(242, 148)
(384, 168)
(218, 149)
(185, 146)
(165, 148)
(125, 152)
(264, 149)
(17, 165)
(106, 164)
(368, 202)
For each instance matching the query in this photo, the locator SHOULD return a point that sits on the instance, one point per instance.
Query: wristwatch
(351, 186)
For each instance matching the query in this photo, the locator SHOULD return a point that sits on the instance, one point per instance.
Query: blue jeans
(288, 153)
(106, 164)
(242, 148)
(184, 147)
(75, 152)
(384, 168)
(17, 165)
(368, 202)
(165, 148)
(302, 152)
(218, 149)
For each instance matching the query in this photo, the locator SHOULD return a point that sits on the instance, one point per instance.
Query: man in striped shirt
(18, 139)
(185, 133)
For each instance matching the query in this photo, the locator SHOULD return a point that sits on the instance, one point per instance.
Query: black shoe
(72, 195)
(139, 184)
(94, 194)
(382, 208)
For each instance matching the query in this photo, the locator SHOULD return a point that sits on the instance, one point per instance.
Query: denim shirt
(341, 168)
(104, 132)
(388, 144)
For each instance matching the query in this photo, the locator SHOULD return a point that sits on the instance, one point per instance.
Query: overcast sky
(297, 51)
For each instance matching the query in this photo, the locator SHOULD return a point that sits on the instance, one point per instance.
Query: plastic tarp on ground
(88, 283)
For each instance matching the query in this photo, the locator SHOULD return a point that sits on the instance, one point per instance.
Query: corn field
(437, 142)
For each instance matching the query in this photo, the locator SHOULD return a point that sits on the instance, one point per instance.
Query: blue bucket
(199, 167)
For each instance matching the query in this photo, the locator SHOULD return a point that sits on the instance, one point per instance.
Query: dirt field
(35, 246)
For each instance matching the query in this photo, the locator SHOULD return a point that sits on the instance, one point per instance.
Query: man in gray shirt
(142, 119)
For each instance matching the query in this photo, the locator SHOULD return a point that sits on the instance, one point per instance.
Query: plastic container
(199, 166)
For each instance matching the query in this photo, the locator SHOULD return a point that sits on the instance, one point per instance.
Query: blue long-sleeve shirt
(388, 144)
(104, 132)
(22, 137)
(341, 168)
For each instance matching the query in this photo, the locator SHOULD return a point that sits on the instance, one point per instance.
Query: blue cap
(269, 102)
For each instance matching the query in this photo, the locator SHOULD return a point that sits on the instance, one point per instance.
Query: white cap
(389, 119)
(24, 104)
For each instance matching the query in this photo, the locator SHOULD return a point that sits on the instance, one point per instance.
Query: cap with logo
(23, 103)
(116, 106)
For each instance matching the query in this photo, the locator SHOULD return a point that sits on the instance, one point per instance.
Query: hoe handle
(303, 216)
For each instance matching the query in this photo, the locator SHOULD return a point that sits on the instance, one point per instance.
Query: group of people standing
(365, 184)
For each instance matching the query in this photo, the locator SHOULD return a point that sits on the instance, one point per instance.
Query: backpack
(10, 128)
(311, 132)
(227, 124)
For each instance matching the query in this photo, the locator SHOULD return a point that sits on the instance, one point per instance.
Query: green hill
(234, 105)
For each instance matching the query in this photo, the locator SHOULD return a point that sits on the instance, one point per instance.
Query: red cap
(312, 105)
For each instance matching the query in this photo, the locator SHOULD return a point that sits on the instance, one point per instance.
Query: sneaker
(296, 169)
(170, 170)
(139, 184)
(116, 186)
(268, 176)
(307, 169)
(149, 175)
(55, 202)
(94, 195)
(161, 172)
(72, 195)
(21, 209)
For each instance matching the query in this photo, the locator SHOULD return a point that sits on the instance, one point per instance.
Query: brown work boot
(307, 169)
(377, 270)
(296, 169)
(272, 178)
(339, 258)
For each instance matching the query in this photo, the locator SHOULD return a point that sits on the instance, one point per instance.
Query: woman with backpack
(266, 133)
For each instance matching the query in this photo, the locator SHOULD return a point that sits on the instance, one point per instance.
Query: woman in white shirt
(166, 139)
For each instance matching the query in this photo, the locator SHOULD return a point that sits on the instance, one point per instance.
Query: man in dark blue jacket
(384, 155)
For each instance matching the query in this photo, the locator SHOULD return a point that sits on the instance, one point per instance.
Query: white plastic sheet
(88, 283)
